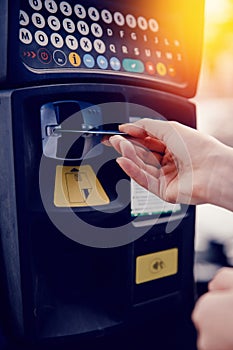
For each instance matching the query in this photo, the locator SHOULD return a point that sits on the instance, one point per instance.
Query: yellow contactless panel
(156, 265)
(78, 187)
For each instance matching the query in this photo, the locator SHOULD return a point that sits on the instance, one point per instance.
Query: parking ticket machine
(89, 258)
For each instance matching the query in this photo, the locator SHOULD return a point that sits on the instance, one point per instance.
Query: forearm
(220, 181)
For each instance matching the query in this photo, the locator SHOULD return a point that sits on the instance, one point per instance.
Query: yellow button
(156, 265)
(74, 59)
(161, 68)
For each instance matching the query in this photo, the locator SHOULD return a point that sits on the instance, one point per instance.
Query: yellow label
(156, 265)
(78, 187)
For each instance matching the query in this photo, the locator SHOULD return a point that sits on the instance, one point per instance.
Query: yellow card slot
(78, 187)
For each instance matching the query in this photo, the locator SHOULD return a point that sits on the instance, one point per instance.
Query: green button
(134, 66)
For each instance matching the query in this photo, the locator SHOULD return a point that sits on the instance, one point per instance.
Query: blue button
(115, 63)
(102, 62)
(134, 66)
(88, 60)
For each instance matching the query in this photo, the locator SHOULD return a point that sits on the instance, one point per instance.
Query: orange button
(74, 59)
(171, 71)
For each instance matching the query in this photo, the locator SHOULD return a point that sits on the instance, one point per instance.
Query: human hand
(167, 158)
(213, 313)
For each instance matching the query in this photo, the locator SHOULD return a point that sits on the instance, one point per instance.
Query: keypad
(59, 36)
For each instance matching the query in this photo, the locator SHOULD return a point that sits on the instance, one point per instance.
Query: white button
(50, 6)
(86, 44)
(119, 18)
(65, 8)
(57, 40)
(36, 4)
(23, 18)
(179, 57)
(131, 21)
(25, 36)
(96, 30)
(106, 16)
(99, 46)
(41, 38)
(83, 28)
(54, 23)
(68, 25)
(153, 25)
(142, 23)
(93, 14)
(38, 20)
(71, 42)
(80, 11)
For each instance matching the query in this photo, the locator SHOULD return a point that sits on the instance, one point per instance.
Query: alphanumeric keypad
(59, 36)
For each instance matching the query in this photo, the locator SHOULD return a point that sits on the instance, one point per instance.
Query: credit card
(94, 132)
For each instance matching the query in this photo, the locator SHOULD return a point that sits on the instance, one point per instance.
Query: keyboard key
(83, 27)
(36, 4)
(153, 25)
(99, 46)
(54, 23)
(68, 25)
(88, 60)
(106, 16)
(132, 65)
(96, 30)
(25, 36)
(131, 21)
(80, 11)
(57, 40)
(142, 23)
(38, 20)
(119, 19)
(65, 8)
(59, 57)
(71, 42)
(93, 13)
(115, 63)
(41, 38)
(102, 62)
(23, 18)
(86, 44)
(50, 6)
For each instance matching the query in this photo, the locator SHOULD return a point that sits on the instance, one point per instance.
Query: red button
(150, 67)
(44, 56)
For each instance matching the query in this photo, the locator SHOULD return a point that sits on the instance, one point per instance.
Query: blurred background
(214, 101)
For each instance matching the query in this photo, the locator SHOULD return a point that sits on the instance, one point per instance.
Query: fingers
(142, 177)
(222, 280)
(149, 127)
(144, 158)
(133, 164)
